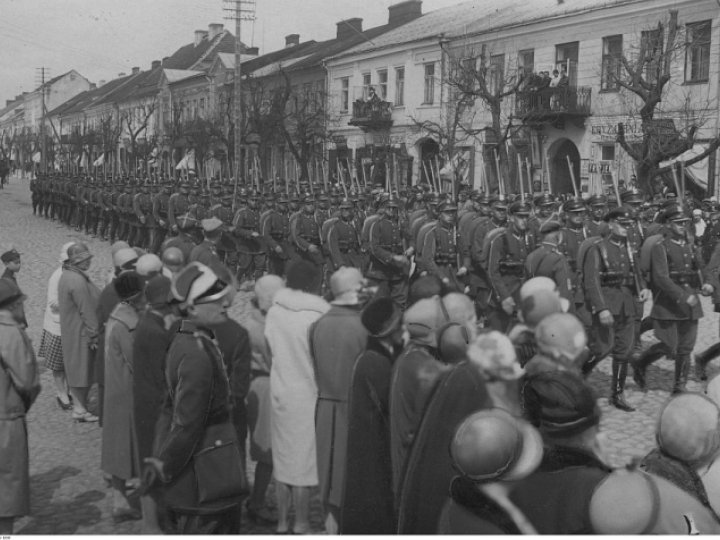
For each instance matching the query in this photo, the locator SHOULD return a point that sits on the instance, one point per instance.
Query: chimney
(293, 40)
(93, 86)
(200, 35)
(101, 83)
(135, 70)
(349, 28)
(252, 51)
(214, 30)
(404, 12)
(121, 75)
(155, 64)
(165, 59)
(8, 102)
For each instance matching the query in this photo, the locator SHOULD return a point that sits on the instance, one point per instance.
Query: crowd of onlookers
(414, 422)
(542, 80)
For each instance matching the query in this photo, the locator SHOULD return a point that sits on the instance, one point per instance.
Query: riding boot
(640, 365)
(704, 358)
(619, 373)
(682, 370)
(591, 363)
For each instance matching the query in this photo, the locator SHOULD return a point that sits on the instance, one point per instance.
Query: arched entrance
(560, 179)
(429, 150)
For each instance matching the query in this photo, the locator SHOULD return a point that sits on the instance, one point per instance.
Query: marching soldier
(160, 207)
(114, 204)
(227, 248)
(276, 231)
(545, 208)
(343, 240)
(142, 206)
(389, 264)
(251, 250)
(574, 234)
(34, 194)
(305, 235)
(548, 261)
(178, 204)
(611, 278)
(440, 253)
(185, 238)
(507, 252)
(597, 207)
(676, 277)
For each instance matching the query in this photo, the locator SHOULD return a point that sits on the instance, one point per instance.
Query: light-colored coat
(17, 374)
(292, 386)
(119, 445)
(78, 298)
(51, 323)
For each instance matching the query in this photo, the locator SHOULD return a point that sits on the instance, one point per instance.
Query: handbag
(217, 463)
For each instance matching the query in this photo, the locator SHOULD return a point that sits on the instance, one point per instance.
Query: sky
(103, 38)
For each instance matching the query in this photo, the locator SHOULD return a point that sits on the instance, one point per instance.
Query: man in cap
(548, 261)
(611, 280)
(11, 260)
(676, 277)
(207, 251)
(185, 239)
(507, 252)
(336, 340)
(573, 235)
(173, 261)
(389, 264)
(343, 240)
(368, 467)
(305, 236)
(276, 232)
(160, 207)
(178, 204)
(251, 249)
(227, 250)
(545, 208)
(595, 223)
(143, 216)
(440, 253)
(19, 387)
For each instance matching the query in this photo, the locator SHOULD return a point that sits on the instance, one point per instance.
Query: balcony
(371, 115)
(554, 105)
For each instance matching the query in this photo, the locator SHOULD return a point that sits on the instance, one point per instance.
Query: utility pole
(40, 75)
(238, 10)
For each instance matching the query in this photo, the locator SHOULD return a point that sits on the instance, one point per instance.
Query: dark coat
(606, 256)
(367, 502)
(460, 393)
(336, 340)
(508, 249)
(671, 291)
(149, 390)
(469, 511)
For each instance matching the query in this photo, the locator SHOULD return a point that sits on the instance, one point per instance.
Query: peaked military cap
(520, 208)
(620, 214)
(575, 204)
(632, 196)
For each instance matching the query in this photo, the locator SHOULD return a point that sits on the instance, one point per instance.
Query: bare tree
(645, 79)
(136, 119)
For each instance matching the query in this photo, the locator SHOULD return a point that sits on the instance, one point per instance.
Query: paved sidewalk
(68, 492)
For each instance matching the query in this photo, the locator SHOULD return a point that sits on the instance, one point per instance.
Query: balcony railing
(372, 115)
(552, 103)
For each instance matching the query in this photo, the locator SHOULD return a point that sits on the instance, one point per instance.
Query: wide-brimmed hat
(381, 317)
(491, 445)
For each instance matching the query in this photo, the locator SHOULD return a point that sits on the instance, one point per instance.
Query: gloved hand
(152, 475)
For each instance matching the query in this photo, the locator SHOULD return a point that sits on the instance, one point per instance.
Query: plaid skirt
(51, 350)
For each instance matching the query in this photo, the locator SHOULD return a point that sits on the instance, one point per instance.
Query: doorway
(561, 180)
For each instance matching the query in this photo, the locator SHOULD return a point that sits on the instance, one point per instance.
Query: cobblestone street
(69, 494)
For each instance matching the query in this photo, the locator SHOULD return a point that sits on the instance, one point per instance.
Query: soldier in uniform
(185, 239)
(142, 206)
(227, 248)
(251, 248)
(343, 240)
(305, 236)
(597, 208)
(676, 278)
(611, 278)
(276, 231)
(34, 194)
(548, 261)
(178, 204)
(160, 206)
(114, 204)
(574, 234)
(206, 252)
(505, 266)
(440, 253)
(389, 264)
(544, 210)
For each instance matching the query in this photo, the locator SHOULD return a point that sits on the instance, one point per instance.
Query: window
(201, 107)
(319, 91)
(400, 86)
(697, 52)
(496, 76)
(307, 90)
(382, 83)
(429, 95)
(566, 56)
(526, 64)
(651, 47)
(611, 63)
(607, 152)
(344, 94)
(366, 85)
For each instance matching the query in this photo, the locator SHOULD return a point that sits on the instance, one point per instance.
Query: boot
(704, 358)
(590, 364)
(640, 365)
(619, 373)
(682, 370)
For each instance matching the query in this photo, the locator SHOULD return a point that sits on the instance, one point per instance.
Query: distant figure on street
(11, 260)
(19, 387)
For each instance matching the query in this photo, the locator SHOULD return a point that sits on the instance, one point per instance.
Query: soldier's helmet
(499, 202)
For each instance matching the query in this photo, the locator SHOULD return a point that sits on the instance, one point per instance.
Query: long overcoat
(119, 446)
(336, 339)
(78, 298)
(17, 374)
